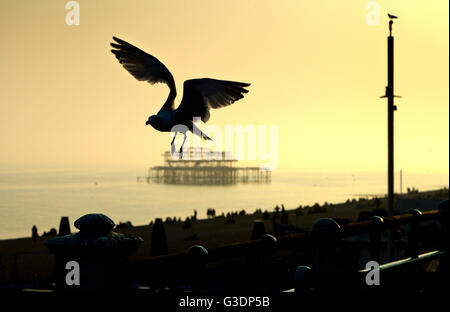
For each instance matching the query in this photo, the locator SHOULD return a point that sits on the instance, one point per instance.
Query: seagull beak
(147, 123)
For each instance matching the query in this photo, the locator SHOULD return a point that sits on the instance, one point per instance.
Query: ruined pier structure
(200, 166)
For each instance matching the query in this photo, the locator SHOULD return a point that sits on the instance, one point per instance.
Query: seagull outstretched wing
(141, 65)
(199, 95)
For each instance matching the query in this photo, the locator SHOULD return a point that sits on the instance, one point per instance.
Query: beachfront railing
(308, 260)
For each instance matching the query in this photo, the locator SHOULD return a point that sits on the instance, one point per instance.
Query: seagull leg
(181, 148)
(172, 145)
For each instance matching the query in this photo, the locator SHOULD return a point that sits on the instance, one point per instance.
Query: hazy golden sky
(317, 71)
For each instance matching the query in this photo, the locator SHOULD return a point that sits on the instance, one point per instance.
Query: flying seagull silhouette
(392, 16)
(198, 97)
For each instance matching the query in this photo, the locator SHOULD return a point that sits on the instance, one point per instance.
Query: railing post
(413, 237)
(375, 238)
(198, 256)
(259, 263)
(270, 244)
(326, 234)
(444, 220)
(302, 279)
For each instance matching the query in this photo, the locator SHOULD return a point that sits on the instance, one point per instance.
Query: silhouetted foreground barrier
(333, 257)
(330, 257)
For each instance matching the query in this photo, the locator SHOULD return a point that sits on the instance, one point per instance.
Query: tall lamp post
(391, 108)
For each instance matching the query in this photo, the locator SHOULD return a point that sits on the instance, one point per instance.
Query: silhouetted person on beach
(277, 210)
(34, 233)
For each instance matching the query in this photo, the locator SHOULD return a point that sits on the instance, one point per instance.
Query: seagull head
(152, 120)
(156, 122)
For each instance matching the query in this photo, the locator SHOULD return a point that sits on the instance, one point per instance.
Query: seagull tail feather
(200, 133)
(205, 137)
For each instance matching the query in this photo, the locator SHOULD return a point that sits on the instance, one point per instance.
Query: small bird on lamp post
(391, 22)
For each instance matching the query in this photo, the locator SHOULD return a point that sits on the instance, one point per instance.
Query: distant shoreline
(40, 198)
(338, 206)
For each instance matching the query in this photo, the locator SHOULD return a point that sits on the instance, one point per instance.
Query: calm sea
(40, 196)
